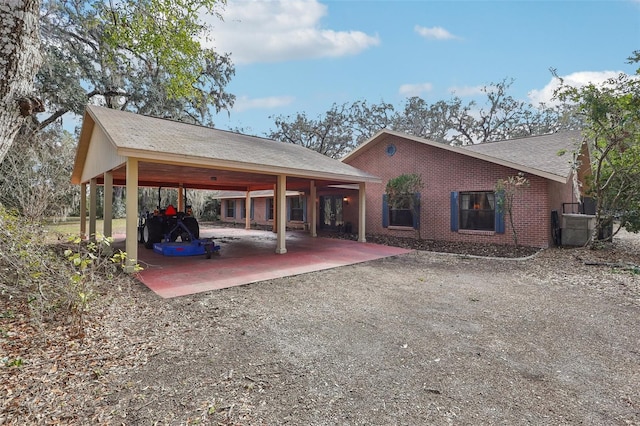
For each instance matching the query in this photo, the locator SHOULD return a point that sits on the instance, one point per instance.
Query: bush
(52, 279)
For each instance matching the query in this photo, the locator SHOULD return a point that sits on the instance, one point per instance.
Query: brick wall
(444, 171)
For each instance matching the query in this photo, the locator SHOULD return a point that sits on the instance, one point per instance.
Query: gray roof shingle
(129, 131)
(552, 153)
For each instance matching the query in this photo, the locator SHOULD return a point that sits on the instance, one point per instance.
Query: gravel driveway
(421, 338)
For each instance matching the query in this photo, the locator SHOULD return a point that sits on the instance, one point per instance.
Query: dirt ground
(423, 338)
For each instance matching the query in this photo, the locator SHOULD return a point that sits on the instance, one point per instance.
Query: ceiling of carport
(173, 176)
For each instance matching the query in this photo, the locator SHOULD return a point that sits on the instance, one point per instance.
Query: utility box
(577, 229)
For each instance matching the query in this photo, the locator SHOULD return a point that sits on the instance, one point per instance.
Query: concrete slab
(248, 256)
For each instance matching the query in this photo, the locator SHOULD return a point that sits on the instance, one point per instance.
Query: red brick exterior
(444, 171)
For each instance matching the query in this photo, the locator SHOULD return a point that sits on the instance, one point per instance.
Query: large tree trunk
(20, 59)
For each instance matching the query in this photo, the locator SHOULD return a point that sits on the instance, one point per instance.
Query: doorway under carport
(247, 256)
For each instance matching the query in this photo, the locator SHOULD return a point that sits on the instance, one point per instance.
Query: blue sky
(304, 55)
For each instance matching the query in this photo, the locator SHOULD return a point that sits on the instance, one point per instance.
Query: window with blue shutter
(402, 215)
(269, 209)
(231, 209)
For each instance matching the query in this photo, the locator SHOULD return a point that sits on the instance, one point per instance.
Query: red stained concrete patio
(248, 256)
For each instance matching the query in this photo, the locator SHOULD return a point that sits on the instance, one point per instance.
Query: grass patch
(71, 226)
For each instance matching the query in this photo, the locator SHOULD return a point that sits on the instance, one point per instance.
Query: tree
(142, 56)
(34, 178)
(337, 132)
(508, 189)
(434, 121)
(503, 117)
(403, 193)
(19, 63)
(612, 115)
(345, 126)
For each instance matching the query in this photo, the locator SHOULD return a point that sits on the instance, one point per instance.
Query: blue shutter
(416, 214)
(454, 211)
(267, 209)
(304, 209)
(385, 211)
(251, 213)
(499, 212)
(288, 209)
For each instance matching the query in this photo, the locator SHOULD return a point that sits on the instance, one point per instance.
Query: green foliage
(91, 262)
(142, 56)
(508, 189)
(401, 191)
(612, 114)
(53, 279)
(34, 177)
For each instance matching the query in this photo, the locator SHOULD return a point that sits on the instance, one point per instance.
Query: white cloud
(434, 33)
(282, 30)
(410, 90)
(577, 79)
(244, 103)
(466, 91)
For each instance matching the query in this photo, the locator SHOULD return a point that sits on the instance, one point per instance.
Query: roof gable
(162, 140)
(548, 156)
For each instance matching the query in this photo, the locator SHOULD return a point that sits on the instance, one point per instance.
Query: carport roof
(215, 159)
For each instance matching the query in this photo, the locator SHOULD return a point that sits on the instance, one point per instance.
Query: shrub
(52, 279)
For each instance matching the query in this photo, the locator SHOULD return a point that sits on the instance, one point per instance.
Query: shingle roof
(138, 135)
(550, 153)
(549, 156)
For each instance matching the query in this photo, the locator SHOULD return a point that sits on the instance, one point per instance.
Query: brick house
(458, 202)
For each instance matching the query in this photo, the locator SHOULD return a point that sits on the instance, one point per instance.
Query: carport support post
(83, 210)
(247, 210)
(362, 204)
(313, 215)
(107, 227)
(281, 213)
(180, 198)
(93, 207)
(131, 206)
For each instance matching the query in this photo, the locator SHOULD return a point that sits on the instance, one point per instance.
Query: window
(231, 208)
(401, 214)
(243, 210)
(269, 212)
(477, 211)
(296, 209)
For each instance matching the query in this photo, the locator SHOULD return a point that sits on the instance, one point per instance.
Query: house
(458, 201)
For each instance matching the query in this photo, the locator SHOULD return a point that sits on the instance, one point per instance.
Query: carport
(119, 148)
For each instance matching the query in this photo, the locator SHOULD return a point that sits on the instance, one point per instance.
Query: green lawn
(71, 226)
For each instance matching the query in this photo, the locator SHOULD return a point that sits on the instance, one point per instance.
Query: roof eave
(382, 134)
(182, 160)
(88, 123)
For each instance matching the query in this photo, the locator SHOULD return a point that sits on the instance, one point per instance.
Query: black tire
(152, 233)
(192, 225)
